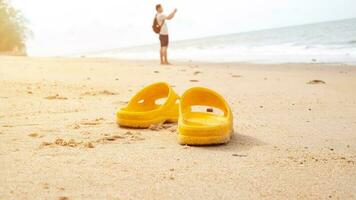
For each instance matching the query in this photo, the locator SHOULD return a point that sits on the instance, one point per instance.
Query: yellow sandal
(143, 110)
(204, 128)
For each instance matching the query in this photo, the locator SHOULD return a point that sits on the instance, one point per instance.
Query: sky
(64, 27)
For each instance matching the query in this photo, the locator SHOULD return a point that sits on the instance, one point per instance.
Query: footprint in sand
(96, 121)
(56, 97)
(61, 142)
(92, 143)
(74, 126)
(157, 127)
(95, 93)
(170, 127)
(67, 143)
(128, 135)
(134, 136)
(7, 126)
(89, 145)
(108, 139)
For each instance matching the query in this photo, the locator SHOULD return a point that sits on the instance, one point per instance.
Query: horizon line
(206, 37)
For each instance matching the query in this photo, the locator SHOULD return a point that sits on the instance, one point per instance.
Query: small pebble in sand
(239, 155)
(156, 72)
(193, 80)
(56, 97)
(110, 138)
(197, 72)
(316, 82)
(33, 134)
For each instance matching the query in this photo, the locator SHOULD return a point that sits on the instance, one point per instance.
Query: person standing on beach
(163, 34)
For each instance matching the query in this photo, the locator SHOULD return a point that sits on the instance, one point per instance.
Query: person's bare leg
(166, 56)
(161, 52)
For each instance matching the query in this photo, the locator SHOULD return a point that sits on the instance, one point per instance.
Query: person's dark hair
(158, 6)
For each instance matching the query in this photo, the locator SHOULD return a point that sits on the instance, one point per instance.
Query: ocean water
(327, 42)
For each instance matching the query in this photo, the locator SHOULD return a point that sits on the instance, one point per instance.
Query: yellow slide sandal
(204, 127)
(144, 109)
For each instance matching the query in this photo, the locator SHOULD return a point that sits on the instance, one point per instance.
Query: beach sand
(59, 139)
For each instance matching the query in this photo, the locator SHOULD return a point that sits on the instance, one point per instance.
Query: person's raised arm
(170, 16)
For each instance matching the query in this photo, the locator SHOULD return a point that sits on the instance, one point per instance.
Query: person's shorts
(164, 39)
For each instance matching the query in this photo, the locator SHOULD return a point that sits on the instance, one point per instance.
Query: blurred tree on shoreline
(13, 30)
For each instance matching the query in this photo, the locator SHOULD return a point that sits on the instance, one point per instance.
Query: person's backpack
(156, 27)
